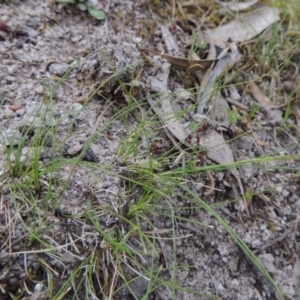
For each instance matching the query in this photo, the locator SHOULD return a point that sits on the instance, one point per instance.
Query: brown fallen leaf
(184, 63)
(259, 96)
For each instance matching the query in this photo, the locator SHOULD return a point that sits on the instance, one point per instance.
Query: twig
(99, 118)
(212, 182)
(191, 228)
(237, 104)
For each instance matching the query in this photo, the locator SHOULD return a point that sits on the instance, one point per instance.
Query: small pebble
(285, 193)
(81, 100)
(74, 150)
(10, 79)
(12, 69)
(288, 86)
(14, 107)
(76, 39)
(39, 89)
(58, 69)
(93, 3)
(16, 247)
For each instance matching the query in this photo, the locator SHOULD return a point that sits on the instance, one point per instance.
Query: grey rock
(25, 156)
(256, 243)
(223, 250)
(32, 33)
(11, 70)
(73, 151)
(58, 69)
(267, 261)
(10, 137)
(39, 89)
(138, 287)
(38, 122)
(275, 116)
(10, 79)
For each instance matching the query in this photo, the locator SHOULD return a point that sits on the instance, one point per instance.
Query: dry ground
(94, 203)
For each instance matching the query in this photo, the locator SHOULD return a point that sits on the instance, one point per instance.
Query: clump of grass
(126, 241)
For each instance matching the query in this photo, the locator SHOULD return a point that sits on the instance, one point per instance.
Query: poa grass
(128, 250)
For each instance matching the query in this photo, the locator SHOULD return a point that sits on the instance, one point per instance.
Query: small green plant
(233, 116)
(86, 5)
(253, 110)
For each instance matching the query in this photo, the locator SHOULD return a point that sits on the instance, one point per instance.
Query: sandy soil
(42, 41)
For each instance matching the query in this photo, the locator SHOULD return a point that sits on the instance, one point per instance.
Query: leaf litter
(200, 128)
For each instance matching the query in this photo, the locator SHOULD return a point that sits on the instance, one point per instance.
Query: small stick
(99, 119)
(212, 182)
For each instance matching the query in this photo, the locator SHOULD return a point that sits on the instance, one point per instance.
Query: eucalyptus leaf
(184, 63)
(97, 14)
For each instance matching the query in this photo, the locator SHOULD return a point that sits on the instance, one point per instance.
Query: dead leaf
(217, 149)
(168, 38)
(220, 152)
(208, 89)
(163, 106)
(237, 6)
(246, 27)
(219, 110)
(259, 96)
(184, 63)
